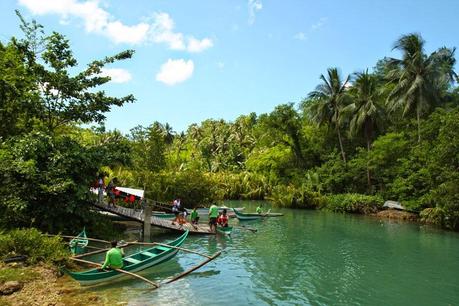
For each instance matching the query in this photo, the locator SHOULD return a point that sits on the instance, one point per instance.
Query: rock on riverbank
(397, 214)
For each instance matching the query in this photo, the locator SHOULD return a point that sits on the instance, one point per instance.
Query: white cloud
(121, 33)
(162, 31)
(117, 75)
(313, 28)
(196, 45)
(175, 71)
(300, 36)
(254, 6)
(319, 24)
(98, 20)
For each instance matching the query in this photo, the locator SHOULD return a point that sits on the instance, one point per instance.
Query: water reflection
(307, 257)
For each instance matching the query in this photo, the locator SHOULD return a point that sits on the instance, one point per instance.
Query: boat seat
(161, 248)
(146, 253)
(131, 260)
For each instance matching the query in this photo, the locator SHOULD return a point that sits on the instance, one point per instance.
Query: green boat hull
(164, 216)
(255, 216)
(79, 243)
(132, 263)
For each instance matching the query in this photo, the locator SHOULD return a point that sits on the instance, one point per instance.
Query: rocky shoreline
(42, 285)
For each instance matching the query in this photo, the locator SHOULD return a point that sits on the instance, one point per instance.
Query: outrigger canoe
(163, 215)
(132, 263)
(254, 216)
(225, 230)
(79, 243)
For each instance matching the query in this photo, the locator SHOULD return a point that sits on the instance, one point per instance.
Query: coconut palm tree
(419, 79)
(366, 111)
(329, 98)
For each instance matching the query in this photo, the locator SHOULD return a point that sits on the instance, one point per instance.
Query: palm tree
(419, 79)
(366, 111)
(329, 99)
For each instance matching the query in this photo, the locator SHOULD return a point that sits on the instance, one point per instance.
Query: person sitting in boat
(223, 219)
(194, 216)
(213, 215)
(259, 209)
(114, 257)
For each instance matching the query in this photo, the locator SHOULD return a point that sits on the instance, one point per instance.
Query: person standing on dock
(194, 216)
(111, 191)
(101, 187)
(213, 215)
(114, 257)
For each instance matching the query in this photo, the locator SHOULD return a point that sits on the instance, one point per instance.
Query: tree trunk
(341, 144)
(418, 117)
(297, 150)
(368, 138)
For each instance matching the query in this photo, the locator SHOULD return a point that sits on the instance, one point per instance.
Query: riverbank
(41, 284)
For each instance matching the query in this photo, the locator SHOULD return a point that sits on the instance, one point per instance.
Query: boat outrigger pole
(155, 285)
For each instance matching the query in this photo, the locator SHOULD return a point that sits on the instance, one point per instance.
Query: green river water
(306, 258)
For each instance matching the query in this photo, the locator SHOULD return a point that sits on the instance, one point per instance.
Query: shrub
(34, 245)
(296, 197)
(353, 203)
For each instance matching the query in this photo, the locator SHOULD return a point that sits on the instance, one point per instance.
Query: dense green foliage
(355, 141)
(34, 245)
(46, 162)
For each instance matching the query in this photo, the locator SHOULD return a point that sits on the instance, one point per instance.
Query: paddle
(118, 270)
(175, 278)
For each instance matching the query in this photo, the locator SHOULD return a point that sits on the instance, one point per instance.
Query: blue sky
(217, 59)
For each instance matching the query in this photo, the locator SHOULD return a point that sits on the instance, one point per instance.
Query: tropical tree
(284, 126)
(366, 110)
(65, 97)
(328, 101)
(419, 79)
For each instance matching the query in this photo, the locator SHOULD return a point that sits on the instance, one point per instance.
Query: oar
(194, 268)
(71, 237)
(118, 270)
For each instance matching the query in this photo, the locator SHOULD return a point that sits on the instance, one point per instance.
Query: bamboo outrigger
(157, 254)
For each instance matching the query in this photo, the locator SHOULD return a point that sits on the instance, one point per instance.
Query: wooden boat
(224, 230)
(132, 263)
(163, 215)
(254, 216)
(79, 243)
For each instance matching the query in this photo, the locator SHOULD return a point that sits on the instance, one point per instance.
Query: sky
(219, 59)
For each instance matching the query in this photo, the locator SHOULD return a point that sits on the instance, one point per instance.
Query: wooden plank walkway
(137, 215)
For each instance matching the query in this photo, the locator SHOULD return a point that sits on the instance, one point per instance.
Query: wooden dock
(138, 215)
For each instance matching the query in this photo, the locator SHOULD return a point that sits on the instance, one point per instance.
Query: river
(306, 258)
